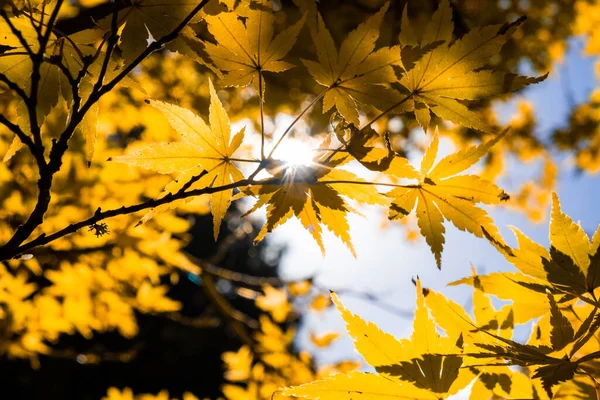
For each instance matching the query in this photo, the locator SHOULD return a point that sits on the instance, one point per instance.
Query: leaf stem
(262, 115)
(404, 100)
(366, 183)
(289, 128)
(390, 109)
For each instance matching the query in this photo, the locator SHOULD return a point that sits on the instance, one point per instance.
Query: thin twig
(16, 32)
(26, 140)
(289, 128)
(390, 109)
(101, 215)
(262, 114)
(14, 87)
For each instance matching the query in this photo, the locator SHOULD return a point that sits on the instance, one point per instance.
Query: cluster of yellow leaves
(557, 287)
(96, 284)
(202, 157)
(127, 394)
(424, 366)
(582, 136)
(449, 349)
(255, 371)
(314, 193)
(430, 74)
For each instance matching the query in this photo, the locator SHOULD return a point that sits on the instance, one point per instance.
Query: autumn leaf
(299, 288)
(244, 51)
(357, 73)
(320, 302)
(275, 302)
(408, 368)
(238, 364)
(146, 19)
(313, 194)
(452, 72)
(441, 195)
(17, 66)
(357, 386)
(569, 266)
(202, 148)
(324, 339)
(562, 332)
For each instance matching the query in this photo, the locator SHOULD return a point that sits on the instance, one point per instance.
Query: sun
(295, 153)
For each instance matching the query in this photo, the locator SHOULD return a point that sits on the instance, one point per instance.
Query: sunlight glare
(295, 153)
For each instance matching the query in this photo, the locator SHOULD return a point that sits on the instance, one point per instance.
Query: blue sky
(386, 262)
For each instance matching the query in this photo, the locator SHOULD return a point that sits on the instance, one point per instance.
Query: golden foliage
(87, 245)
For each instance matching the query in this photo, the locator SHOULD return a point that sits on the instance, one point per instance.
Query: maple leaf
(456, 323)
(409, 368)
(149, 19)
(275, 302)
(71, 52)
(17, 66)
(361, 144)
(562, 332)
(324, 339)
(441, 195)
(244, 51)
(453, 71)
(314, 195)
(356, 73)
(571, 265)
(204, 152)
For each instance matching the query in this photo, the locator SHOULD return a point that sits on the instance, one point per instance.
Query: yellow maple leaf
(238, 364)
(571, 265)
(153, 298)
(356, 73)
(407, 369)
(452, 71)
(244, 51)
(204, 152)
(275, 302)
(148, 18)
(324, 339)
(313, 194)
(320, 303)
(441, 195)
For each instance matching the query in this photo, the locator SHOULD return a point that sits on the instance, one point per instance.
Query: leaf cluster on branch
(102, 121)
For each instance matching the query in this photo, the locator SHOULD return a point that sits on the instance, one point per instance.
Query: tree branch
(16, 32)
(101, 215)
(10, 249)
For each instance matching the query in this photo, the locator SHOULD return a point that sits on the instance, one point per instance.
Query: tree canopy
(152, 148)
